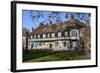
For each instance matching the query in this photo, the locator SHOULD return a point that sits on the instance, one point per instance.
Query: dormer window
(53, 35)
(74, 33)
(66, 33)
(31, 36)
(44, 35)
(38, 36)
(34, 36)
(59, 34)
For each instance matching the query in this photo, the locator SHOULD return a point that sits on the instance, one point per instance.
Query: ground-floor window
(32, 45)
(74, 44)
(36, 44)
(68, 44)
(56, 43)
(40, 44)
(43, 43)
(64, 44)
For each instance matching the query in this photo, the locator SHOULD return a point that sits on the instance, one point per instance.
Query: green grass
(32, 54)
(49, 55)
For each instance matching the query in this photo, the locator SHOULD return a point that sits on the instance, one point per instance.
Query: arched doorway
(50, 45)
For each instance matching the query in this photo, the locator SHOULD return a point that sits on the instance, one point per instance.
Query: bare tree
(55, 16)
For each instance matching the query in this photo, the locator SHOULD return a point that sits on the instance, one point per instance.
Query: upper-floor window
(38, 36)
(74, 33)
(44, 35)
(66, 33)
(59, 34)
(31, 36)
(53, 35)
(34, 36)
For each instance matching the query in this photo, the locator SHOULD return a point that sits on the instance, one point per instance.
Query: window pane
(44, 35)
(74, 44)
(73, 33)
(53, 34)
(56, 43)
(64, 44)
(66, 33)
(38, 36)
(31, 36)
(34, 36)
(59, 34)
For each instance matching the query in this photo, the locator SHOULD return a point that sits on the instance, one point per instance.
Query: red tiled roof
(57, 27)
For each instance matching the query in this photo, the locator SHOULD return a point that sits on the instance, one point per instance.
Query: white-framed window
(74, 33)
(74, 44)
(32, 45)
(56, 43)
(59, 34)
(35, 45)
(43, 43)
(38, 36)
(44, 35)
(66, 33)
(53, 35)
(31, 36)
(40, 43)
(34, 36)
(64, 44)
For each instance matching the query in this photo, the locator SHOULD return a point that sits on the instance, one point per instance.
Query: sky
(32, 19)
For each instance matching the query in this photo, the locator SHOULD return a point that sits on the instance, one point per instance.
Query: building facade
(58, 36)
